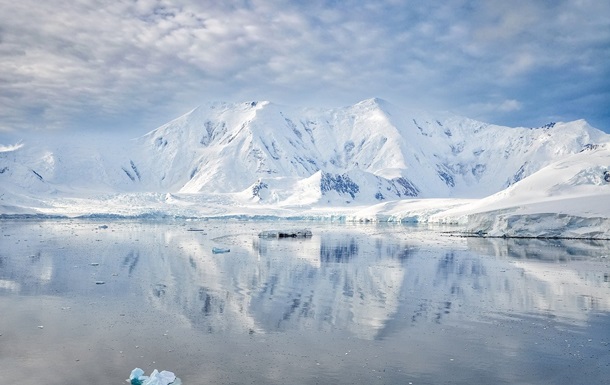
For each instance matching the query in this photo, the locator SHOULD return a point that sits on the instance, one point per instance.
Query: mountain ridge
(264, 152)
(371, 137)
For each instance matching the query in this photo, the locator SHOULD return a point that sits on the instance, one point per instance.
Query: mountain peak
(374, 103)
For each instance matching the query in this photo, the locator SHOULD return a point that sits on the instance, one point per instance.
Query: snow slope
(372, 161)
(569, 198)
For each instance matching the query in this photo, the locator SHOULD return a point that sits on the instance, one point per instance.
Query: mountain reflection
(369, 283)
(338, 251)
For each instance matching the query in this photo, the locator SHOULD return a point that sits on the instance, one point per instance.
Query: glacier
(369, 162)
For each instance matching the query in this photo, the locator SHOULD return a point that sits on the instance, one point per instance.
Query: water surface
(86, 302)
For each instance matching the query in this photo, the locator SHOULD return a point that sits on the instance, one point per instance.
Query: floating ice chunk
(303, 233)
(136, 377)
(164, 377)
(220, 250)
(160, 378)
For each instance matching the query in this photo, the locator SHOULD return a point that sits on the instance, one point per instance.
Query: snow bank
(544, 225)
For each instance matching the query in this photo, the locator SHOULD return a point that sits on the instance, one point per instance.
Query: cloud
(129, 64)
(510, 105)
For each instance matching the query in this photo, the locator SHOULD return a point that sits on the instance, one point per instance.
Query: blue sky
(132, 65)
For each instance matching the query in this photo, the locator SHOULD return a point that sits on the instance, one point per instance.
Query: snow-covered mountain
(367, 152)
(568, 198)
(268, 155)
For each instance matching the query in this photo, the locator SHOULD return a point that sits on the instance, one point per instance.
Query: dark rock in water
(304, 233)
(607, 176)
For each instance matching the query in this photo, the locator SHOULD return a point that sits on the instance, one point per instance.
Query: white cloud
(510, 105)
(137, 63)
(494, 108)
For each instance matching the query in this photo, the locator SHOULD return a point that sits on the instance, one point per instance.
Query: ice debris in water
(219, 250)
(304, 233)
(137, 377)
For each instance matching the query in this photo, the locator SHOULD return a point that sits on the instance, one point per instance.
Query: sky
(132, 65)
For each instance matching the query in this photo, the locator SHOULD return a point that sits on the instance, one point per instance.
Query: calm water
(83, 304)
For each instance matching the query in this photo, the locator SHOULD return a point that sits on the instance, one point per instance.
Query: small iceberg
(220, 250)
(303, 233)
(164, 377)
